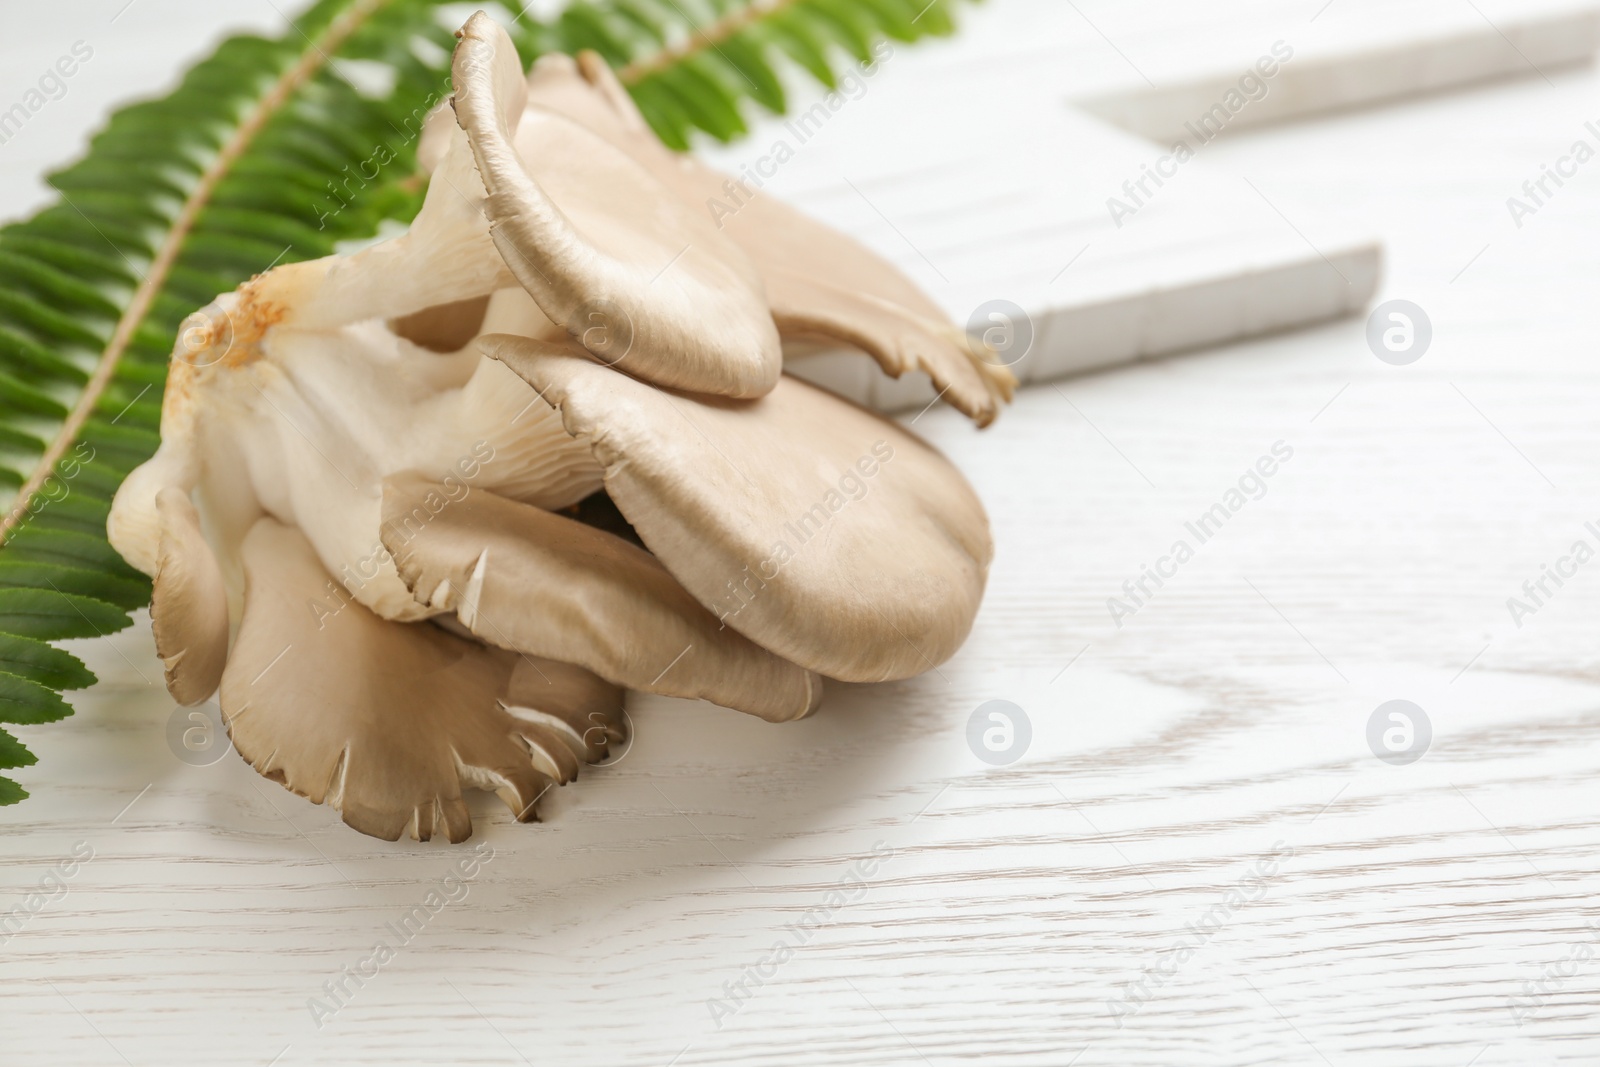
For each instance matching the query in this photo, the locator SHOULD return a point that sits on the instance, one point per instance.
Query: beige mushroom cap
(634, 275)
(821, 531)
(525, 579)
(386, 722)
(189, 603)
(821, 284)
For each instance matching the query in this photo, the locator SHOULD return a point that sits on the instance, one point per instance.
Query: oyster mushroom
(362, 520)
(821, 284)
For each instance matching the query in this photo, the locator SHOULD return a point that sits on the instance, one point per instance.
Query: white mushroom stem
(446, 256)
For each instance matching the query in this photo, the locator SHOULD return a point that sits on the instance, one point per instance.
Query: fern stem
(310, 62)
(703, 38)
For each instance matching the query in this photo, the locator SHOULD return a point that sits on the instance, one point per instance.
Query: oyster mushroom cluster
(361, 521)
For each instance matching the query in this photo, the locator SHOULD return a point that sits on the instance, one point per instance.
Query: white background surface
(1223, 721)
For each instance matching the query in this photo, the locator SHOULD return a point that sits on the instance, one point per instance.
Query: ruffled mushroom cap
(388, 722)
(819, 530)
(820, 283)
(635, 277)
(527, 580)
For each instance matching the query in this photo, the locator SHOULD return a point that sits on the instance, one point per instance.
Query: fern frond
(273, 150)
(689, 72)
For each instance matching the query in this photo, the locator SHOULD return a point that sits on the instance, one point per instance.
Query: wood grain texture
(1220, 728)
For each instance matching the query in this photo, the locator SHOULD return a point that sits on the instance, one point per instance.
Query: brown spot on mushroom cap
(604, 248)
(189, 603)
(819, 282)
(386, 722)
(822, 531)
(525, 579)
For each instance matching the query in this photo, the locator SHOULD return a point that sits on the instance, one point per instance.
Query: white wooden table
(1198, 859)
